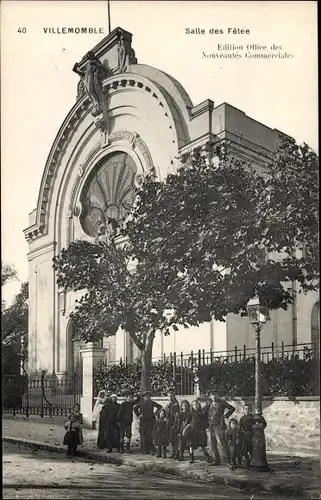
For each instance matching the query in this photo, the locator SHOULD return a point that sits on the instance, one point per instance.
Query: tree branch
(137, 341)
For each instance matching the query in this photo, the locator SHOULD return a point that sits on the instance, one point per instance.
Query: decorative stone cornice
(105, 47)
(41, 251)
(203, 107)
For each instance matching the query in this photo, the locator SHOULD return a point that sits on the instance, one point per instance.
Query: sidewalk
(290, 475)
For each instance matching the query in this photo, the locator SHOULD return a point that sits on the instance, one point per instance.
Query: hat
(113, 396)
(146, 393)
(171, 391)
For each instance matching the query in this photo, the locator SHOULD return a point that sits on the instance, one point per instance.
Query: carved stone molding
(77, 114)
(131, 139)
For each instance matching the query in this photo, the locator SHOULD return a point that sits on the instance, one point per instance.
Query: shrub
(279, 377)
(289, 376)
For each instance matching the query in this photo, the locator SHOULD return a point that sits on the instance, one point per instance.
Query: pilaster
(91, 356)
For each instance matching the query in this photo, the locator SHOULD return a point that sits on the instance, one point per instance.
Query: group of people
(181, 425)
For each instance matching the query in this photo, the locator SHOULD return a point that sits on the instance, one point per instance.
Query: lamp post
(258, 315)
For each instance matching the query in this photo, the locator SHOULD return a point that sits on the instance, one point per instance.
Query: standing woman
(113, 435)
(102, 440)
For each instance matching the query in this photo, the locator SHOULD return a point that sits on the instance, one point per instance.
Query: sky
(38, 87)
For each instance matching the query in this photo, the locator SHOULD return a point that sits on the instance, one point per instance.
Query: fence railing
(181, 370)
(43, 395)
(203, 357)
(48, 395)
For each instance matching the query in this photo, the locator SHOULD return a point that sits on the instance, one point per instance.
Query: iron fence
(181, 370)
(44, 395)
(202, 357)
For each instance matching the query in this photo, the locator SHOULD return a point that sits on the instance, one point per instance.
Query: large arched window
(108, 193)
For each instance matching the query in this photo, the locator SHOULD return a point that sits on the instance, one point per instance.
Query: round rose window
(109, 192)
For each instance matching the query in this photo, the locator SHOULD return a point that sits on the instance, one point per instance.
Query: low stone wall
(293, 425)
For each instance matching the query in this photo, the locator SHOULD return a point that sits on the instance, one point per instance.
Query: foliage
(203, 242)
(121, 377)
(290, 377)
(210, 234)
(14, 332)
(8, 273)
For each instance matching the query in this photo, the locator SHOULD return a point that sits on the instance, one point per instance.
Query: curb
(204, 475)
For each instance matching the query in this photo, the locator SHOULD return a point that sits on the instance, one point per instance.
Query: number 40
(22, 30)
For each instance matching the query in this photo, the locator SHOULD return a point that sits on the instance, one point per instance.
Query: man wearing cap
(145, 412)
(216, 411)
(125, 420)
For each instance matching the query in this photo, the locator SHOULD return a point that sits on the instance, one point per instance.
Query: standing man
(145, 412)
(216, 411)
(125, 420)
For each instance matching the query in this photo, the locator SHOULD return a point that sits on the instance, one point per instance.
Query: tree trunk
(147, 363)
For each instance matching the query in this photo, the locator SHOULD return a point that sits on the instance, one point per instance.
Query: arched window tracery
(108, 193)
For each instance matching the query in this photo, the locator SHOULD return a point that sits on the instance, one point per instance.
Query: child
(172, 409)
(198, 437)
(125, 420)
(246, 431)
(160, 434)
(233, 444)
(80, 419)
(183, 425)
(101, 399)
(71, 438)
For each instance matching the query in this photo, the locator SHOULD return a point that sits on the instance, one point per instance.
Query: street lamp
(258, 315)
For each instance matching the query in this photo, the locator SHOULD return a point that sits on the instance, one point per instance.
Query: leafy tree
(14, 332)
(203, 243)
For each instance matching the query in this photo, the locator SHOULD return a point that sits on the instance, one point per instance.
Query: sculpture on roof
(92, 76)
(121, 55)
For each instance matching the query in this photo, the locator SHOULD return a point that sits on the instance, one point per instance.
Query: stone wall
(293, 425)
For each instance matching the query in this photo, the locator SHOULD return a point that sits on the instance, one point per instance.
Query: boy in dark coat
(216, 411)
(233, 444)
(125, 420)
(246, 432)
(172, 409)
(160, 433)
(145, 412)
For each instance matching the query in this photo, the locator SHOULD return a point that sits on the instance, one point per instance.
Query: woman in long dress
(103, 436)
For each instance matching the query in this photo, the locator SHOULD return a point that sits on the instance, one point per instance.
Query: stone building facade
(128, 119)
